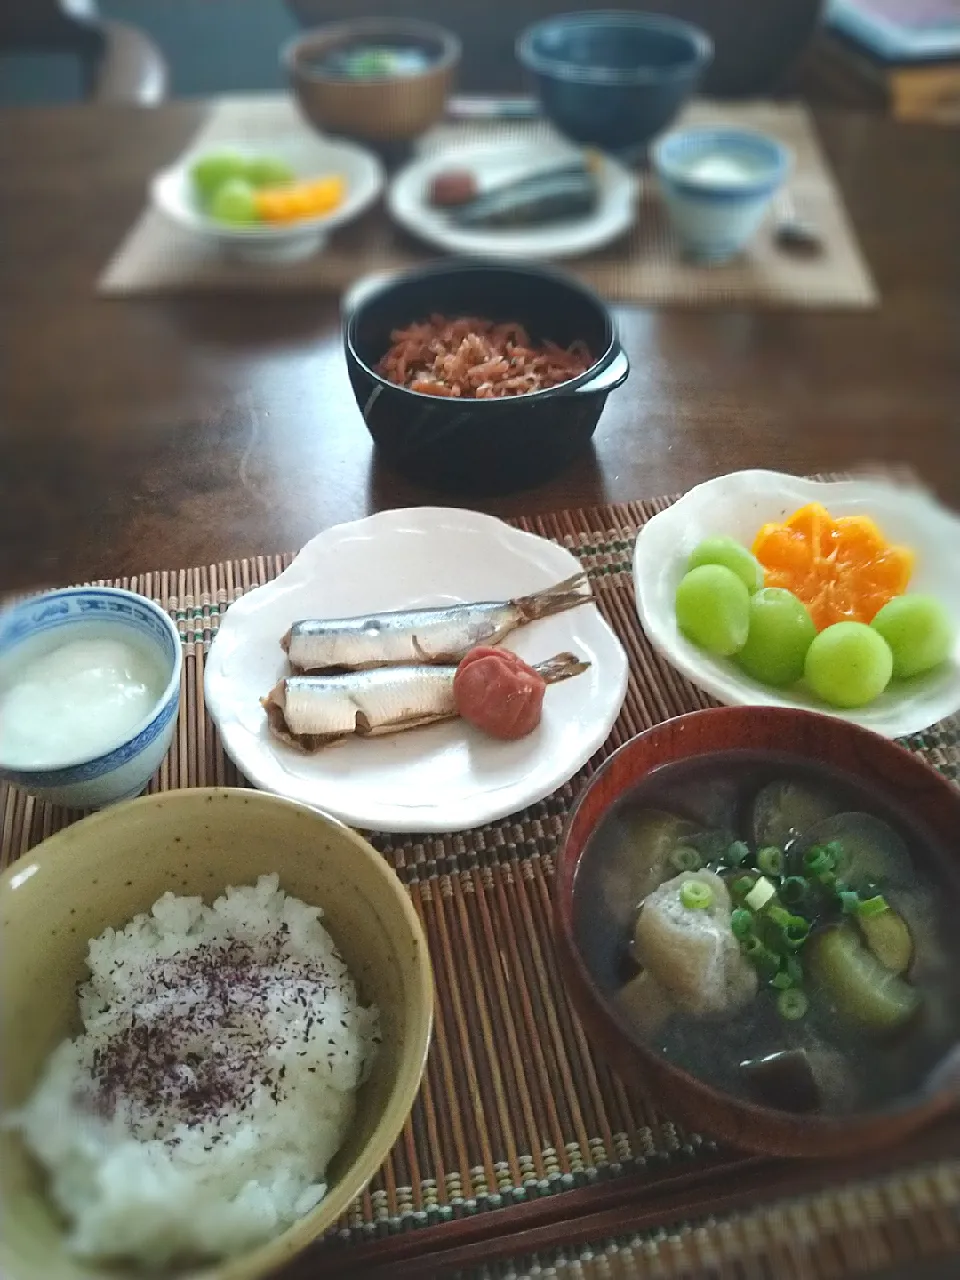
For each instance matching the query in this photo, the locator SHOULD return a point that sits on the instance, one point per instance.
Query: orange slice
(843, 570)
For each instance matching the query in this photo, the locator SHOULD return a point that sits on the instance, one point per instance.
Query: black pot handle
(613, 374)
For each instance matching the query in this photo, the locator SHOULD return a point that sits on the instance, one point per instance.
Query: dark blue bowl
(613, 80)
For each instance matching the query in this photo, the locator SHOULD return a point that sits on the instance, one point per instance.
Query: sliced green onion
(767, 964)
(742, 885)
(849, 901)
(741, 923)
(761, 957)
(835, 849)
(779, 915)
(795, 932)
(794, 968)
(770, 860)
(737, 853)
(873, 906)
(782, 981)
(696, 895)
(760, 894)
(793, 890)
(684, 858)
(792, 1004)
(816, 861)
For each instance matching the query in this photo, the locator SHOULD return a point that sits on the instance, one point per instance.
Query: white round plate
(408, 204)
(738, 505)
(309, 157)
(446, 777)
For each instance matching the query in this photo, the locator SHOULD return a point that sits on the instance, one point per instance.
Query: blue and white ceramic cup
(34, 626)
(717, 185)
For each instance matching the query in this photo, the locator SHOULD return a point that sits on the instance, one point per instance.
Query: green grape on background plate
(732, 555)
(268, 171)
(234, 202)
(713, 609)
(780, 633)
(848, 664)
(210, 172)
(919, 632)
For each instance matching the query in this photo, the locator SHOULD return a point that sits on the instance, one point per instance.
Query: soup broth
(726, 806)
(380, 61)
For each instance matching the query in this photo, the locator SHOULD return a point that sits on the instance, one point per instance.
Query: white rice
(196, 1115)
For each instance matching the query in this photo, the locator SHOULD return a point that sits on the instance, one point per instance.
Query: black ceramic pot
(482, 446)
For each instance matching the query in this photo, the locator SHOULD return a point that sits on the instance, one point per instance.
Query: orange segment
(300, 200)
(843, 570)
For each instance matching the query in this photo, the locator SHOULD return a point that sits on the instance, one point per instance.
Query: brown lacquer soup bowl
(802, 995)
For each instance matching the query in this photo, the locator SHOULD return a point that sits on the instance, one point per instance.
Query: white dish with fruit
(271, 204)
(854, 610)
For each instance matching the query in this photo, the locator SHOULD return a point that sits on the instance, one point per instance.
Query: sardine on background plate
(310, 712)
(423, 636)
(539, 198)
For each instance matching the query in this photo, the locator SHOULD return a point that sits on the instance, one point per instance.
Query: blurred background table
(163, 432)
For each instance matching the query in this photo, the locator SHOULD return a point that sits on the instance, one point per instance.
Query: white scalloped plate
(738, 505)
(446, 777)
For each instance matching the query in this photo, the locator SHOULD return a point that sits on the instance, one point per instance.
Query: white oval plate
(408, 205)
(738, 505)
(172, 192)
(445, 777)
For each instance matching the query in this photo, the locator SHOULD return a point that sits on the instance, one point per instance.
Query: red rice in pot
(478, 359)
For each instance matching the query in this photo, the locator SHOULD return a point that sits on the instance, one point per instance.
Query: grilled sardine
(310, 712)
(422, 636)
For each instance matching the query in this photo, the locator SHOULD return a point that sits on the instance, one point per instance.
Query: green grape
(733, 556)
(781, 632)
(210, 172)
(234, 202)
(848, 664)
(918, 631)
(713, 608)
(268, 171)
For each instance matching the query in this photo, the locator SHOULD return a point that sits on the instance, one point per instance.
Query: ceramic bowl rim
(699, 49)
(929, 1101)
(333, 34)
(470, 266)
(47, 775)
(667, 163)
(264, 1258)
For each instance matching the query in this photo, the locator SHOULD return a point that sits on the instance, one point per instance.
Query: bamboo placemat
(518, 1127)
(643, 266)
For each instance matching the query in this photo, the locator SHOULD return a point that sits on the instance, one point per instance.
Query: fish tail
(563, 666)
(565, 595)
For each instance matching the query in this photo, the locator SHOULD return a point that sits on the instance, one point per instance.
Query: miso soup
(779, 930)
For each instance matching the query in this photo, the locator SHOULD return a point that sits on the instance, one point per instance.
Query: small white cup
(717, 185)
(122, 771)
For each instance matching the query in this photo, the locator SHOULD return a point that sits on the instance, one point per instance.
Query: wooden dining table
(159, 432)
(155, 432)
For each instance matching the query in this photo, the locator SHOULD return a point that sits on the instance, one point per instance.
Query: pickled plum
(499, 693)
